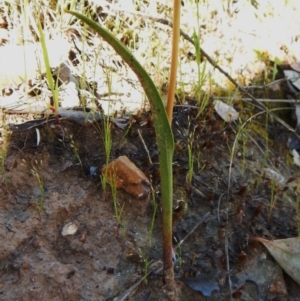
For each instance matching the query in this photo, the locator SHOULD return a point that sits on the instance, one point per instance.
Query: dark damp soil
(107, 256)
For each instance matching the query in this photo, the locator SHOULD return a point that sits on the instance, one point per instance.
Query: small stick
(145, 147)
(194, 228)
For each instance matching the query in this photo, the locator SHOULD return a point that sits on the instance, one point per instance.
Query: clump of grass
(190, 173)
(201, 67)
(107, 140)
(107, 133)
(146, 263)
(271, 69)
(75, 150)
(53, 85)
(118, 209)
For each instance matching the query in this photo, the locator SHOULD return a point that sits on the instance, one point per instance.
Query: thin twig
(194, 228)
(219, 205)
(226, 242)
(227, 253)
(258, 99)
(145, 147)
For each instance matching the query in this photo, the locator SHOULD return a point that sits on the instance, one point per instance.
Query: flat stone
(125, 175)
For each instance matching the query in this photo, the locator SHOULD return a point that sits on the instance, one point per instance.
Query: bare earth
(105, 257)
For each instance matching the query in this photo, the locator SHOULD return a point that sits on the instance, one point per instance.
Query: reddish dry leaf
(287, 254)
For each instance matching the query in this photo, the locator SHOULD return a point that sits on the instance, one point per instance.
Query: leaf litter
(287, 254)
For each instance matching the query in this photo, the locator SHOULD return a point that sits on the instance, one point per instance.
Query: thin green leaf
(53, 87)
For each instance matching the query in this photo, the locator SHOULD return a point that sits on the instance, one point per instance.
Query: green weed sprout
(165, 140)
(190, 173)
(146, 265)
(53, 86)
(107, 135)
(114, 197)
(107, 140)
(75, 150)
(202, 77)
(40, 202)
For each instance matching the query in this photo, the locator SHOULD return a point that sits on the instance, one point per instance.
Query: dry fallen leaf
(226, 112)
(287, 254)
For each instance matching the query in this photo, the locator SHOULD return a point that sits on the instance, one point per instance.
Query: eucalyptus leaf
(287, 254)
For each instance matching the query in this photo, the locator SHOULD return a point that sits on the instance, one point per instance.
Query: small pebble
(93, 171)
(69, 229)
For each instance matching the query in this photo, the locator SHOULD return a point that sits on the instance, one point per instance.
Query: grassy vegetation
(75, 150)
(190, 154)
(164, 136)
(149, 41)
(32, 21)
(118, 211)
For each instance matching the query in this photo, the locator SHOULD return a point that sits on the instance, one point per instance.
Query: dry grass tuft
(231, 33)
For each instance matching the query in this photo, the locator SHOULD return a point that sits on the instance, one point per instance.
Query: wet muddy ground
(109, 254)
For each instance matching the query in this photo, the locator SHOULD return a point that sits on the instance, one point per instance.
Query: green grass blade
(53, 88)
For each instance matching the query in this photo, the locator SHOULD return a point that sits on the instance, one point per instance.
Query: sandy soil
(104, 257)
(108, 255)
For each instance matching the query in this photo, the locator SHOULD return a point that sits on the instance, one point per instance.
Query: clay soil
(105, 257)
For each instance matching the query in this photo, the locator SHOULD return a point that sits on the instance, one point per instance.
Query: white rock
(69, 229)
